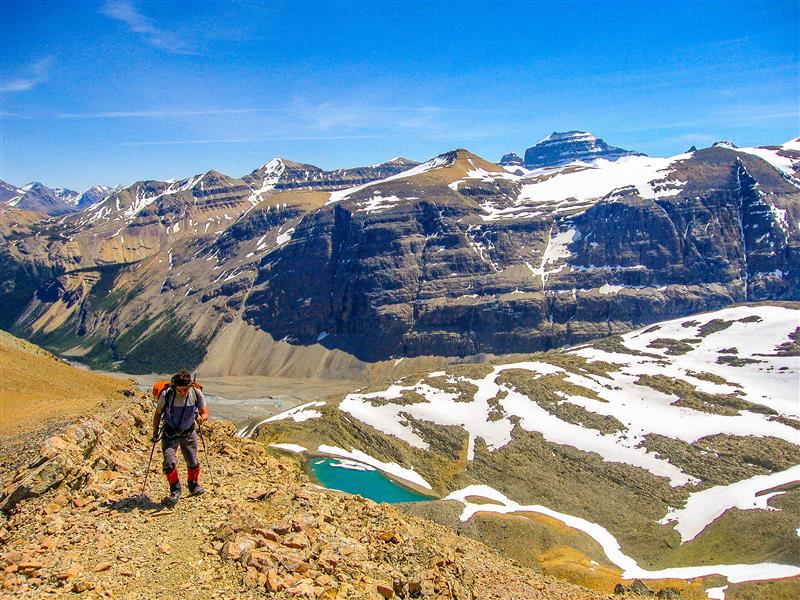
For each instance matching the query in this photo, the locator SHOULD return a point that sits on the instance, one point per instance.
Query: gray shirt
(181, 412)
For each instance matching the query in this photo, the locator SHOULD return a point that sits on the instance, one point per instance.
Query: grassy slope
(37, 388)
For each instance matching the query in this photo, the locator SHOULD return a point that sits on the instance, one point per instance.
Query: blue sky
(115, 91)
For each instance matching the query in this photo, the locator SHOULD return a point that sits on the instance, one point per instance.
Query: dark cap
(182, 377)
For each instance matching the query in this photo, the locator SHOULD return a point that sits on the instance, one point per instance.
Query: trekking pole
(149, 463)
(205, 451)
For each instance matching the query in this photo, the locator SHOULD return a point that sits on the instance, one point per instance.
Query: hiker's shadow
(138, 502)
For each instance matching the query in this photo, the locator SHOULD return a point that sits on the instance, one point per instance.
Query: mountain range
(38, 197)
(588, 355)
(454, 257)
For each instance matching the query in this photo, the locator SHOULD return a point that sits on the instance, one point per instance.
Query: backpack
(159, 387)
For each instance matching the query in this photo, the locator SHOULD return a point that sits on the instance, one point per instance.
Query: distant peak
(399, 160)
(272, 164)
(458, 154)
(511, 159)
(564, 147)
(558, 136)
(724, 144)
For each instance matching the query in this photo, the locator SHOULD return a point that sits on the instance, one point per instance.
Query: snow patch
(703, 507)
(610, 545)
(297, 414)
(296, 448)
(390, 468)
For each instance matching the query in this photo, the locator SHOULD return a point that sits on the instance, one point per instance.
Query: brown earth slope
(36, 388)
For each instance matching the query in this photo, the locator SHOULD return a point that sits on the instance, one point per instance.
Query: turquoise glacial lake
(355, 478)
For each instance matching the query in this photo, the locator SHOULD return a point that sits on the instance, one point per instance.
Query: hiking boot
(195, 489)
(174, 495)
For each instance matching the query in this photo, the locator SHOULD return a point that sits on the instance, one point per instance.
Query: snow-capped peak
(274, 166)
(792, 145)
(563, 147)
(564, 136)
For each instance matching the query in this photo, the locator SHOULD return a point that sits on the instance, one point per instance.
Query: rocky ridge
(73, 522)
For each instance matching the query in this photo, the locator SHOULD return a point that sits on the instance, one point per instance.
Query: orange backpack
(160, 386)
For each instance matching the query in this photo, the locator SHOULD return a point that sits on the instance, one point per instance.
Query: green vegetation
(711, 377)
(406, 397)
(794, 423)
(549, 392)
(167, 348)
(751, 319)
(466, 391)
(736, 361)
(674, 347)
(717, 325)
(103, 296)
(792, 347)
(150, 346)
(615, 345)
(714, 326)
(780, 589)
(724, 459)
(690, 397)
(748, 536)
(578, 364)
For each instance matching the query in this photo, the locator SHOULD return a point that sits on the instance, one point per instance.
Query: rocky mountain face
(94, 194)
(454, 257)
(8, 192)
(510, 160)
(444, 265)
(282, 174)
(564, 147)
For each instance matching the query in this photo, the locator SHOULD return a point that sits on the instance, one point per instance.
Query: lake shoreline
(306, 459)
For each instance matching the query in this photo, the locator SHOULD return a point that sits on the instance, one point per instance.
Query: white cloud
(33, 75)
(249, 140)
(125, 11)
(156, 114)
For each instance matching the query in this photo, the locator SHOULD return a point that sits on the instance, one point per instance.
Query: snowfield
(742, 352)
(642, 409)
(785, 158)
(577, 186)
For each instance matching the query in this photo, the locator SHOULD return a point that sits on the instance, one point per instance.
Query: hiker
(179, 405)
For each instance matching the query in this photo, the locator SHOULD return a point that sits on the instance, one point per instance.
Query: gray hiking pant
(188, 445)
